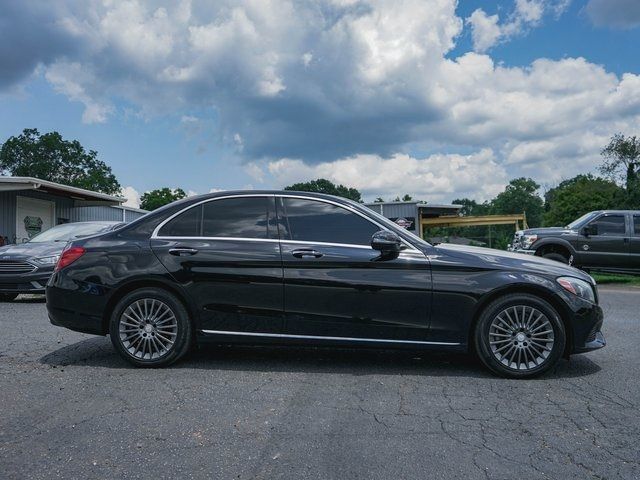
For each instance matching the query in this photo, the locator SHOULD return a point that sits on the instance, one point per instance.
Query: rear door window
(236, 218)
(243, 218)
(186, 224)
(636, 224)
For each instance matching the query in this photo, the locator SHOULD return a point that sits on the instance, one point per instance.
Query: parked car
(607, 240)
(26, 267)
(302, 268)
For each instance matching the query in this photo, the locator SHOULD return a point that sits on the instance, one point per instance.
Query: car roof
(617, 211)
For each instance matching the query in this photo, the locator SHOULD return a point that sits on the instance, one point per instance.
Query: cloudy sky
(435, 98)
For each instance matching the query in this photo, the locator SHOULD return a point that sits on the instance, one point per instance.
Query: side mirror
(386, 242)
(590, 230)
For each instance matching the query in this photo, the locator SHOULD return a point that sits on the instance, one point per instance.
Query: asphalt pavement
(71, 408)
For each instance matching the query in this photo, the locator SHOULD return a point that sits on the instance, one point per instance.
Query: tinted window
(313, 221)
(186, 224)
(610, 225)
(236, 217)
(636, 224)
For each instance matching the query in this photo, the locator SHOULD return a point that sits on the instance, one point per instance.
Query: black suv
(295, 267)
(602, 240)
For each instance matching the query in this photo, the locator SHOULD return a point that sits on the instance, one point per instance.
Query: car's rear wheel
(8, 297)
(150, 328)
(519, 336)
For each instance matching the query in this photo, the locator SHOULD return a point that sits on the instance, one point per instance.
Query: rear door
(225, 253)
(634, 245)
(336, 285)
(608, 245)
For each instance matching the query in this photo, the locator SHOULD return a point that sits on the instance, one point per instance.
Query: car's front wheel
(150, 328)
(8, 297)
(519, 336)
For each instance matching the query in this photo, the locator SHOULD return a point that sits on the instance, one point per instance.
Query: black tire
(486, 322)
(181, 329)
(8, 297)
(558, 257)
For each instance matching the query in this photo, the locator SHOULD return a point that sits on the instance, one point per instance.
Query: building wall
(394, 211)
(65, 211)
(63, 207)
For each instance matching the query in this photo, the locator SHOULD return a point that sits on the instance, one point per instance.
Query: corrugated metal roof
(78, 194)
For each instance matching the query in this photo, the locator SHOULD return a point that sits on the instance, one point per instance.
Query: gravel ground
(70, 408)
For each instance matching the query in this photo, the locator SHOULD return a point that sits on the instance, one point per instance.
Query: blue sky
(432, 97)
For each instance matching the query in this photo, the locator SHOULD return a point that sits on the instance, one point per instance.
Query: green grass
(610, 278)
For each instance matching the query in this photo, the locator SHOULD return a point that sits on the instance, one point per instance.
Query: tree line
(50, 157)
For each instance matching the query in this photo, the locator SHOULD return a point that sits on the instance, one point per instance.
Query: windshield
(582, 220)
(69, 231)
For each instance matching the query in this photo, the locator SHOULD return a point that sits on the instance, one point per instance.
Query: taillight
(69, 256)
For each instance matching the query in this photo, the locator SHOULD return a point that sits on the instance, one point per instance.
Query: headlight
(527, 240)
(578, 287)
(51, 260)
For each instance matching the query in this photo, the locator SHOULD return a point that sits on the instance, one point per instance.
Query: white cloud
(484, 29)
(487, 31)
(438, 177)
(74, 81)
(132, 196)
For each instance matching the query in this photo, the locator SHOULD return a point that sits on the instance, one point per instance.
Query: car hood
(31, 250)
(503, 260)
(553, 231)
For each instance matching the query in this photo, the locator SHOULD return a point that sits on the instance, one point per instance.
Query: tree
(49, 157)
(322, 185)
(622, 162)
(581, 194)
(405, 198)
(471, 207)
(379, 200)
(520, 196)
(160, 197)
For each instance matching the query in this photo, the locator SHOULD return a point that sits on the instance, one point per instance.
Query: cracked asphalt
(70, 408)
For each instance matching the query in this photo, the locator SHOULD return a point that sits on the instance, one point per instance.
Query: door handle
(182, 251)
(626, 240)
(305, 252)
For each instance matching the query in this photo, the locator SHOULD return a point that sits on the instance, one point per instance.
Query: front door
(607, 245)
(336, 285)
(225, 253)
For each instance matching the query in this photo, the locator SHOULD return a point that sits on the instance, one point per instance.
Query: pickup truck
(607, 240)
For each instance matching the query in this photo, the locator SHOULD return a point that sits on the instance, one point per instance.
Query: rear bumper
(69, 309)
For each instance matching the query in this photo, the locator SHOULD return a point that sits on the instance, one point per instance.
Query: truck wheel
(8, 297)
(558, 257)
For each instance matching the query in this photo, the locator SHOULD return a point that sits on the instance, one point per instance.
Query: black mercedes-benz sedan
(293, 267)
(26, 267)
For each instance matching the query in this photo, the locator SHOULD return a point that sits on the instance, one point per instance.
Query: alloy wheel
(521, 337)
(148, 329)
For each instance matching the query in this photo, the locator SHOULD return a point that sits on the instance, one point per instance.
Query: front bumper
(590, 337)
(521, 250)
(25, 283)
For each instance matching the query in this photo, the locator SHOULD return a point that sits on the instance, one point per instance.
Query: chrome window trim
(154, 235)
(216, 239)
(317, 337)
